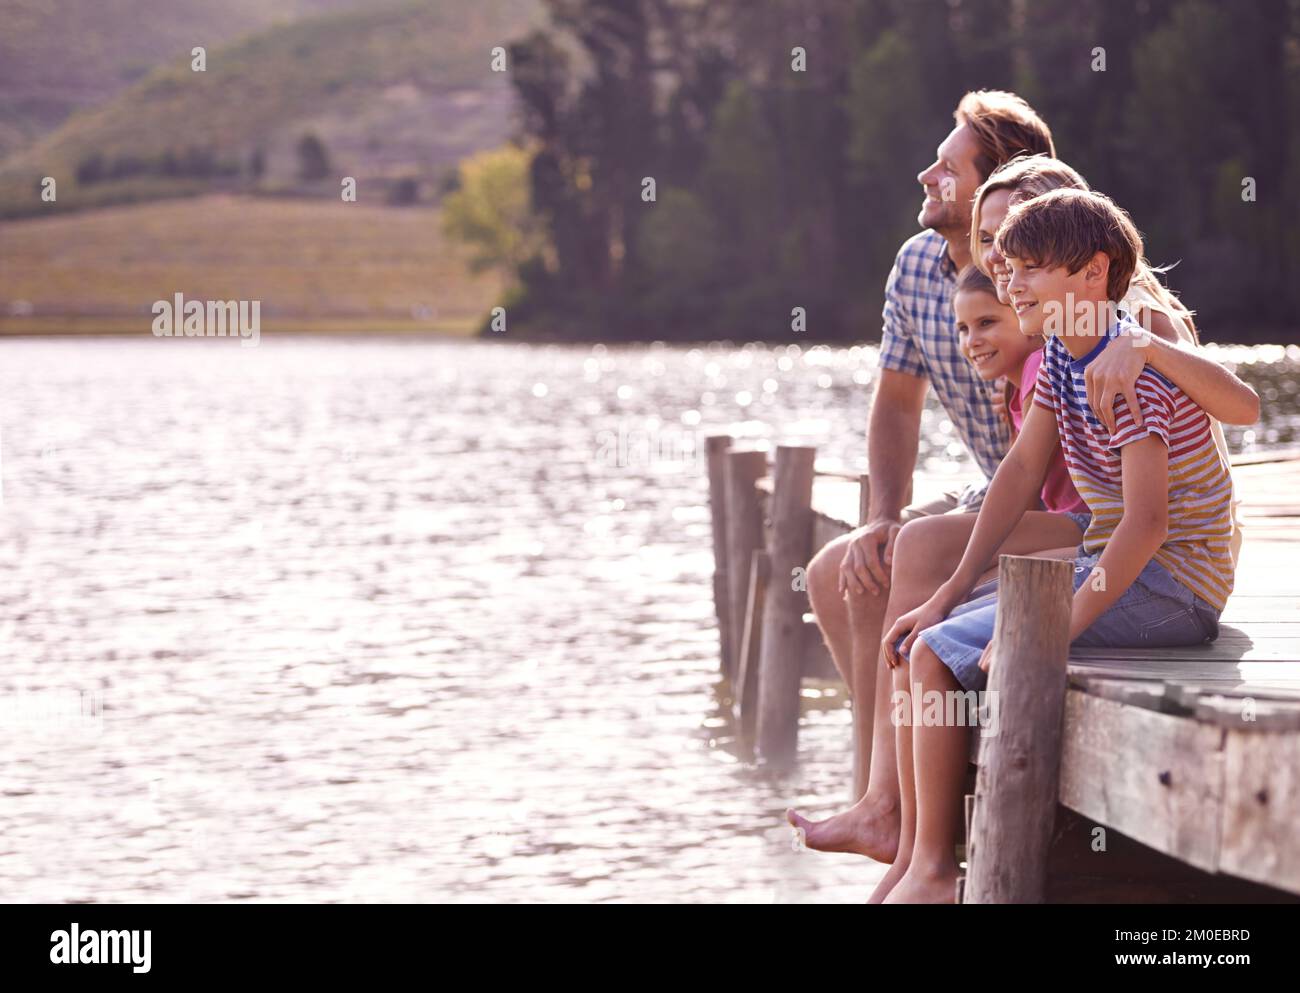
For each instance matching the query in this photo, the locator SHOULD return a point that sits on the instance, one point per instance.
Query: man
(848, 580)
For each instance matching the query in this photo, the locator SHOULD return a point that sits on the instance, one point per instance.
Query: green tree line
(779, 185)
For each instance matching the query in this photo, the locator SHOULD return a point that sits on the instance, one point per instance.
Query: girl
(993, 343)
(991, 340)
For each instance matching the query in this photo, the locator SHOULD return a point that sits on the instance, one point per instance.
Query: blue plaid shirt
(919, 337)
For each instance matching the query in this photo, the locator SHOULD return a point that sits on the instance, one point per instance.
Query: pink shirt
(1059, 494)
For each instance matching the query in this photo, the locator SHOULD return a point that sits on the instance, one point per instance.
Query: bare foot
(870, 827)
(918, 887)
(886, 885)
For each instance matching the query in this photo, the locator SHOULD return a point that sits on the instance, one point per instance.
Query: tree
(491, 212)
(313, 162)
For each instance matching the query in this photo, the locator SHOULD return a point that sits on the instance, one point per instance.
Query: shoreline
(131, 327)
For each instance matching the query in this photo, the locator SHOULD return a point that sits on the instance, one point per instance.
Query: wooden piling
(1017, 785)
(744, 515)
(864, 498)
(716, 446)
(864, 697)
(781, 653)
(746, 689)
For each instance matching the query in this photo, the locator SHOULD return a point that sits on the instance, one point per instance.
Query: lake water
(398, 620)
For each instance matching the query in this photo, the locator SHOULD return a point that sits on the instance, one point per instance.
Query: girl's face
(992, 212)
(990, 335)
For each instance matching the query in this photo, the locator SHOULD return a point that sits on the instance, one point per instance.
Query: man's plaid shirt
(919, 337)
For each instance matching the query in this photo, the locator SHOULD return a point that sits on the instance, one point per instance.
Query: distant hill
(398, 91)
(313, 265)
(61, 56)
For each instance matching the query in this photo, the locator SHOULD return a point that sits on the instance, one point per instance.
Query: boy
(1155, 566)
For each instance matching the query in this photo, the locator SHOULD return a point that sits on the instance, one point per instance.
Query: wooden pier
(1182, 756)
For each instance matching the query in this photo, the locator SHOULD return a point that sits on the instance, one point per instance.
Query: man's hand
(912, 624)
(987, 657)
(1115, 373)
(867, 560)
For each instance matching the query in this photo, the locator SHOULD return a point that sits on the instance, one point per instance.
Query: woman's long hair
(1029, 176)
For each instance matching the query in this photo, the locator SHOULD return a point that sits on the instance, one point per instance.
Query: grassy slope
(58, 56)
(315, 265)
(391, 88)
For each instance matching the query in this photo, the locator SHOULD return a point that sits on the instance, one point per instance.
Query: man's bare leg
(871, 826)
(851, 626)
(931, 552)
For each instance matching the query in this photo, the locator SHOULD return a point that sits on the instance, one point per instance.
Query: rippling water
(398, 620)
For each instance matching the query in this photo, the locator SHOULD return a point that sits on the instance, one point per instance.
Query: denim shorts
(1081, 518)
(1156, 611)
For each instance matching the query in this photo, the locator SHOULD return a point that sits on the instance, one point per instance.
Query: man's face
(950, 183)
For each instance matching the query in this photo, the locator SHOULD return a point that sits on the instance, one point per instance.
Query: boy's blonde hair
(1067, 228)
(1029, 176)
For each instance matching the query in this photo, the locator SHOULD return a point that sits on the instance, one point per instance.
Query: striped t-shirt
(1197, 550)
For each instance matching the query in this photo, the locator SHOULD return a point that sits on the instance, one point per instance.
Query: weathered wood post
(781, 660)
(746, 688)
(1016, 788)
(864, 697)
(716, 446)
(744, 514)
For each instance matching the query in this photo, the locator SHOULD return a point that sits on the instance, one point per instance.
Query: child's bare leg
(926, 553)
(905, 717)
(940, 751)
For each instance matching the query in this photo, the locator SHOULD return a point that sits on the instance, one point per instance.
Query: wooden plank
(1245, 609)
(1269, 489)
(1146, 693)
(1272, 458)
(1261, 808)
(824, 531)
(746, 688)
(1185, 669)
(716, 446)
(1236, 637)
(1190, 692)
(744, 521)
(1248, 714)
(1156, 778)
(1279, 628)
(1277, 650)
(817, 661)
(838, 498)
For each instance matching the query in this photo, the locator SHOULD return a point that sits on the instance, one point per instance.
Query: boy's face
(1038, 291)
